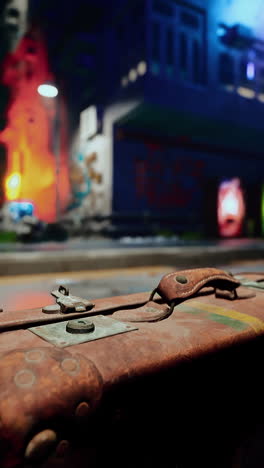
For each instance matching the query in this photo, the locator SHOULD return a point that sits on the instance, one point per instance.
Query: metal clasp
(67, 302)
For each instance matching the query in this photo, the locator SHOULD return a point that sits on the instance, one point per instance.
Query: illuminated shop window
(226, 69)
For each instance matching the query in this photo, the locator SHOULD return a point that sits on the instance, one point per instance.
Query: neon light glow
(231, 208)
(31, 162)
(251, 71)
(48, 90)
(13, 186)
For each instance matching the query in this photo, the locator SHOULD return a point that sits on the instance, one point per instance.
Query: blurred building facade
(170, 95)
(180, 111)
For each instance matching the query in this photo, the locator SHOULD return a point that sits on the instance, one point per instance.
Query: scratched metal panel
(56, 334)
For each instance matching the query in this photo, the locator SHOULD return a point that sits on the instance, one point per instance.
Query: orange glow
(31, 165)
(12, 186)
(231, 208)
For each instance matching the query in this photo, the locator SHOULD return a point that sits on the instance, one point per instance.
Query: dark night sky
(70, 28)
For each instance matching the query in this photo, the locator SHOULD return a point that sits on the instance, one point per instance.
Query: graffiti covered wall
(87, 177)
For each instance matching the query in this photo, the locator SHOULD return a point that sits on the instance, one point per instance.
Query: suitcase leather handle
(181, 285)
(176, 287)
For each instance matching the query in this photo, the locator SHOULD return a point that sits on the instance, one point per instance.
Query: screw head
(41, 446)
(181, 279)
(62, 448)
(80, 326)
(82, 411)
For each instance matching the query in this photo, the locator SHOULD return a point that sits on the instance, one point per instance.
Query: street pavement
(98, 254)
(29, 291)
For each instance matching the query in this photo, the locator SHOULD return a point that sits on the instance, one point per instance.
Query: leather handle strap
(181, 285)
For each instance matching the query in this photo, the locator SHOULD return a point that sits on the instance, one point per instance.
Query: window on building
(247, 73)
(260, 83)
(190, 20)
(155, 55)
(192, 45)
(184, 26)
(196, 62)
(162, 8)
(183, 56)
(226, 69)
(246, 81)
(169, 52)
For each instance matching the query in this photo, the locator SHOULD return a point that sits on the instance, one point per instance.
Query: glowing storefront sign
(231, 208)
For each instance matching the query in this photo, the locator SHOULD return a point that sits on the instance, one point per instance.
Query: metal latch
(66, 302)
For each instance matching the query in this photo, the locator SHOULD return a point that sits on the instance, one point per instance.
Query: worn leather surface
(171, 287)
(41, 386)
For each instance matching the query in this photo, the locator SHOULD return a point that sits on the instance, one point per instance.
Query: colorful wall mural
(31, 174)
(87, 178)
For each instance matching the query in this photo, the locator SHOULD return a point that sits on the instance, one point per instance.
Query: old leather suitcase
(171, 379)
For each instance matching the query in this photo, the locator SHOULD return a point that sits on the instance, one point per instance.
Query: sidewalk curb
(22, 263)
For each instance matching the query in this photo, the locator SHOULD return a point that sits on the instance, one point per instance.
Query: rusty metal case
(168, 379)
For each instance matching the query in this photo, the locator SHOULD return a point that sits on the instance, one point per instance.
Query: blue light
(221, 31)
(19, 209)
(250, 71)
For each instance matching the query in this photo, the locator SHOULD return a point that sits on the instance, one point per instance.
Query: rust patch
(24, 378)
(46, 389)
(70, 366)
(36, 355)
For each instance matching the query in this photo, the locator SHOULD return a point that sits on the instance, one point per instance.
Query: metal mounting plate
(249, 283)
(56, 333)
